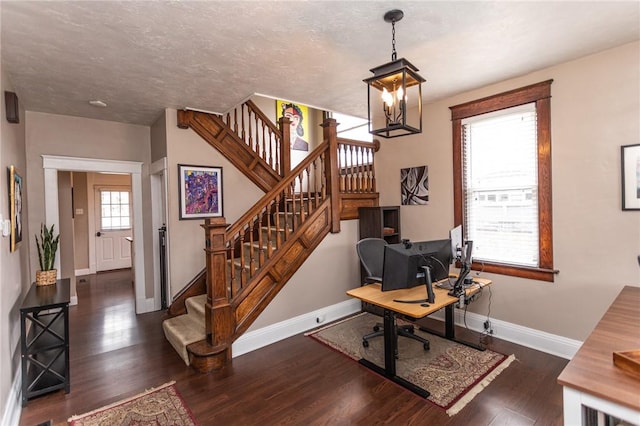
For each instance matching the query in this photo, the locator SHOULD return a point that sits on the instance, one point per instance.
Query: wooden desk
(591, 379)
(373, 294)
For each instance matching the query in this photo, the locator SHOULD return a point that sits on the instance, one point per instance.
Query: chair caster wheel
(376, 328)
(365, 343)
(426, 346)
(411, 330)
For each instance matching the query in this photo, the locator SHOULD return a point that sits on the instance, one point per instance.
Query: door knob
(98, 234)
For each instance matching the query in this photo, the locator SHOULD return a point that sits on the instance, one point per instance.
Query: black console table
(44, 328)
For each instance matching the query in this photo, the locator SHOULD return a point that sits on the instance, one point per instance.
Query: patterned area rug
(158, 406)
(451, 372)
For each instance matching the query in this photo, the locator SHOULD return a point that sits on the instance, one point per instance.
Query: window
(115, 212)
(502, 181)
(354, 128)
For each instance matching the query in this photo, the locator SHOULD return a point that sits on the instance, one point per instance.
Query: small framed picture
(15, 206)
(200, 191)
(630, 177)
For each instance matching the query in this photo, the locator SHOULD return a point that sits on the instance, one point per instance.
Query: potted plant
(47, 248)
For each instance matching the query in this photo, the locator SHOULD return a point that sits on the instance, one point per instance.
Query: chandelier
(397, 92)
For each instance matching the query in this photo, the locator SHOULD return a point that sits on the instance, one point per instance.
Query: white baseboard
(81, 272)
(524, 336)
(273, 333)
(146, 305)
(73, 300)
(13, 406)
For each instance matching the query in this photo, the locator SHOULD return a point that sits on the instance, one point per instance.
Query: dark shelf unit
(380, 222)
(44, 328)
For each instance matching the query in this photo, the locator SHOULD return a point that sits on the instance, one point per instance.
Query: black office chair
(371, 254)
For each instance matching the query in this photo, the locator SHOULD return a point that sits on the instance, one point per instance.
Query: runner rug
(157, 406)
(453, 373)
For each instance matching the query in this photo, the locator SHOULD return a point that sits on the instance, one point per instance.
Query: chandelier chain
(394, 55)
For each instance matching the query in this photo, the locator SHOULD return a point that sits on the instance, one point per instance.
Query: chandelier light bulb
(387, 97)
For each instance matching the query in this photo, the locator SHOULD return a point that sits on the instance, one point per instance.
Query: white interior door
(113, 227)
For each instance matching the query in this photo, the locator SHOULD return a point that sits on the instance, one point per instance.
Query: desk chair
(371, 254)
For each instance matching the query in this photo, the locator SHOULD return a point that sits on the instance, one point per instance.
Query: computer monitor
(406, 264)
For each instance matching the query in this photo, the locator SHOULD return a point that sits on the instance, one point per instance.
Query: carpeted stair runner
(183, 330)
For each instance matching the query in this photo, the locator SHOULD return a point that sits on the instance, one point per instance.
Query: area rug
(453, 373)
(157, 406)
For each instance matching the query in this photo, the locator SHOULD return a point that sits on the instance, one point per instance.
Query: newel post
(284, 123)
(330, 134)
(219, 319)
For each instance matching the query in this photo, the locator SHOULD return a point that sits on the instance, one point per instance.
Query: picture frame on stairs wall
(201, 193)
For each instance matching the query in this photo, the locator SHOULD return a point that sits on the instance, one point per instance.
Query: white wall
(595, 108)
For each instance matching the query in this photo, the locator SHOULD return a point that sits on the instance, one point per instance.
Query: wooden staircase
(250, 261)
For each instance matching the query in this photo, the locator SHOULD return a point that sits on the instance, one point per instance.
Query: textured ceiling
(143, 56)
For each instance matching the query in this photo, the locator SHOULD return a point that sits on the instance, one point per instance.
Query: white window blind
(115, 211)
(500, 184)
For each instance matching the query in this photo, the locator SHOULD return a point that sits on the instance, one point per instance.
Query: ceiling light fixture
(98, 103)
(401, 87)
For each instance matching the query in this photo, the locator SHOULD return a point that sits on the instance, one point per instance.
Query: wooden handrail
(375, 144)
(258, 112)
(258, 133)
(261, 203)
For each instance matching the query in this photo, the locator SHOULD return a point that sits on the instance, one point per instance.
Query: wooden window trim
(540, 93)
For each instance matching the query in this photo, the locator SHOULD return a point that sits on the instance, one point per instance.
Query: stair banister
(220, 318)
(284, 123)
(219, 325)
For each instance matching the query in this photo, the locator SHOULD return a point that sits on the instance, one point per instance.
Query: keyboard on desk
(445, 285)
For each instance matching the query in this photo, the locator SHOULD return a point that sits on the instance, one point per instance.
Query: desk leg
(390, 342)
(450, 329)
(449, 323)
(390, 346)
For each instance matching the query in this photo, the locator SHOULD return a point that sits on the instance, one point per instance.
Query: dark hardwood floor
(115, 354)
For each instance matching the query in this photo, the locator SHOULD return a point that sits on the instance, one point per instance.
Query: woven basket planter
(46, 277)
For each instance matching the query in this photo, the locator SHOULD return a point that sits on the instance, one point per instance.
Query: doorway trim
(54, 163)
(158, 175)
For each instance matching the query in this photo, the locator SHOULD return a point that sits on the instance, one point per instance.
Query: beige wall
(308, 290)
(331, 270)
(65, 229)
(52, 134)
(80, 221)
(594, 110)
(159, 138)
(186, 237)
(14, 267)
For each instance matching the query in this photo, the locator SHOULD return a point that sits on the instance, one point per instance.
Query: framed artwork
(299, 116)
(15, 207)
(630, 177)
(414, 186)
(200, 191)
